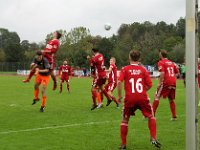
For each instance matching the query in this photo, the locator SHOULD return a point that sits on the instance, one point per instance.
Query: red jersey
(199, 75)
(65, 69)
(136, 82)
(112, 78)
(170, 70)
(53, 46)
(98, 62)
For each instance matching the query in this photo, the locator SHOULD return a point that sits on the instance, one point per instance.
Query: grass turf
(68, 123)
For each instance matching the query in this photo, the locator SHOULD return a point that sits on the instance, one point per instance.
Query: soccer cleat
(54, 86)
(174, 119)
(35, 101)
(108, 102)
(155, 143)
(93, 107)
(117, 106)
(26, 80)
(122, 147)
(100, 105)
(42, 109)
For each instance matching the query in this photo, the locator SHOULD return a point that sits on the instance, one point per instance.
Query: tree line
(76, 44)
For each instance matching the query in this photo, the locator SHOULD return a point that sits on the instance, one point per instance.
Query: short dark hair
(163, 53)
(58, 34)
(95, 50)
(134, 55)
(39, 53)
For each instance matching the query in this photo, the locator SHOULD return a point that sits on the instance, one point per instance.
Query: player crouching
(42, 72)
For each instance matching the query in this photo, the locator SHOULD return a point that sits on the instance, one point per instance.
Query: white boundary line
(57, 127)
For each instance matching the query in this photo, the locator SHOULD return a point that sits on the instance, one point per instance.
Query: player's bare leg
(54, 79)
(32, 72)
(173, 109)
(36, 93)
(110, 97)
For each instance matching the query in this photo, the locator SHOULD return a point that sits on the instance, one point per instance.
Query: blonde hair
(113, 58)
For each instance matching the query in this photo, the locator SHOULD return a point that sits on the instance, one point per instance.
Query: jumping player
(42, 71)
(136, 84)
(50, 53)
(64, 72)
(112, 83)
(97, 62)
(167, 83)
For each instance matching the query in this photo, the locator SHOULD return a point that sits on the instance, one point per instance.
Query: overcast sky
(34, 19)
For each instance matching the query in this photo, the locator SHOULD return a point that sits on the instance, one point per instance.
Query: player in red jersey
(97, 62)
(50, 53)
(112, 83)
(167, 83)
(136, 84)
(42, 71)
(64, 72)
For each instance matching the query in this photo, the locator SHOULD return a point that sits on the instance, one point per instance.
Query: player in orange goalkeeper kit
(42, 71)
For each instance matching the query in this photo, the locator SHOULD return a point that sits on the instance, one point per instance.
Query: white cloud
(33, 19)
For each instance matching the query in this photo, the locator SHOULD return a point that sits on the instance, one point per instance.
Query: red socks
(155, 106)
(152, 127)
(124, 132)
(36, 93)
(173, 108)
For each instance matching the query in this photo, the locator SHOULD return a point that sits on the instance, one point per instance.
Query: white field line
(57, 127)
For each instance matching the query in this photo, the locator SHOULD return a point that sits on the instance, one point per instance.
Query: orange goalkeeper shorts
(44, 80)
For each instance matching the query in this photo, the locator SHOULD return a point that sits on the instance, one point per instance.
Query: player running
(112, 83)
(136, 84)
(50, 53)
(97, 63)
(42, 71)
(64, 72)
(167, 83)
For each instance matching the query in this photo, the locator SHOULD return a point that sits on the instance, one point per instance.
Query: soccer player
(42, 71)
(112, 83)
(167, 83)
(136, 84)
(97, 62)
(50, 53)
(94, 89)
(64, 72)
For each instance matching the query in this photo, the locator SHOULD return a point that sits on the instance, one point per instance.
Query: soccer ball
(107, 26)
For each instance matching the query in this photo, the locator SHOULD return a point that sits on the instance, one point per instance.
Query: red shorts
(110, 86)
(44, 80)
(64, 78)
(101, 81)
(143, 105)
(166, 92)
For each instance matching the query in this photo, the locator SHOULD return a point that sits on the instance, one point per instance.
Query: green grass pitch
(68, 123)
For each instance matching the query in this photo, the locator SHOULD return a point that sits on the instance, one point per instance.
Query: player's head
(95, 50)
(39, 55)
(134, 56)
(112, 60)
(65, 62)
(57, 35)
(163, 54)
